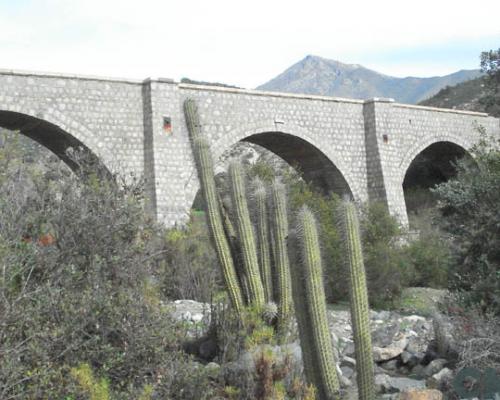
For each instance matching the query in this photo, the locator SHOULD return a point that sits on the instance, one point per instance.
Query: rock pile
(404, 351)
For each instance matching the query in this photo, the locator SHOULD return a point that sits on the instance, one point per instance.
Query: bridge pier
(383, 177)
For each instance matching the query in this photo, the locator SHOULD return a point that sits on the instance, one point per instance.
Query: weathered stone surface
(435, 366)
(416, 394)
(390, 384)
(391, 351)
(445, 375)
(361, 147)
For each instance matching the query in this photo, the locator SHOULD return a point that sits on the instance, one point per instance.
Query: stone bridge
(362, 148)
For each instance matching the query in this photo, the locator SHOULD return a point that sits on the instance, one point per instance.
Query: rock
(410, 359)
(391, 365)
(434, 366)
(402, 384)
(389, 384)
(344, 381)
(417, 394)
(347, 372)
(389, 352)
(418, 370)
(349, 349)
(445, 375)
(385, 334)
(348, 362)
(190, 311)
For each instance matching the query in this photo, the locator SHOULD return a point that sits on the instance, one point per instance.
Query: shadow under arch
(314, 165)
(55, 139)
(433, 165)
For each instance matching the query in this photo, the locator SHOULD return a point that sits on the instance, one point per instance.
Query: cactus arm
(246, 234)
(204, 164)
(326, 373)
(235, 249)
(281, 261)
(300, 306)
(260, 194)
(359, 303)
(327, 379)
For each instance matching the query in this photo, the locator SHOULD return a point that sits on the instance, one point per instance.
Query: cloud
(245, 43)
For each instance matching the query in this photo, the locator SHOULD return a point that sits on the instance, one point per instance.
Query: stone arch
(56, 132)
(411, 154)
(267, 135)
(433, 164)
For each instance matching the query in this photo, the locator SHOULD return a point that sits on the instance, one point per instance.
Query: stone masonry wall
(139, 127)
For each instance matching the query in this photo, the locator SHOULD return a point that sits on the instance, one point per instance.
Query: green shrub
(429, 253)
(387, 272)
(470, 204)
(78, 285)
(189, 268)
(324, 208)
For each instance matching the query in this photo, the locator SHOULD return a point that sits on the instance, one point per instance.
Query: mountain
(463, 96)
(320, 76)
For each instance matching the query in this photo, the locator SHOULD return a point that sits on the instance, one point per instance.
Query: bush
(470, 204)
(387, 273)
(190, 268)
(78, 287)
(428, 254)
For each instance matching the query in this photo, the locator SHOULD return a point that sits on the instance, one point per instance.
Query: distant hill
(464, 96)
(316, 75)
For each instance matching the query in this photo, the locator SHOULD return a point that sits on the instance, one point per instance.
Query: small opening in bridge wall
(167, 125)
(385, 138)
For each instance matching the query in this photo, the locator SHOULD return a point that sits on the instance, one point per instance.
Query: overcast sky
(245, 43)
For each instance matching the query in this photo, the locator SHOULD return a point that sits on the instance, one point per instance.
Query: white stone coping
(253, 92)
(43, 74)
(436, 109)
(233, 90)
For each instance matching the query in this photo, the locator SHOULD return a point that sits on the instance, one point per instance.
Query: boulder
(391, 351)
(390, 384)
(348, 362)
(434, 366)
(419, 394)
(443, 376)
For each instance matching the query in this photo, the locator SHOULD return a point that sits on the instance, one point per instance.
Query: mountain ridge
(322, 76)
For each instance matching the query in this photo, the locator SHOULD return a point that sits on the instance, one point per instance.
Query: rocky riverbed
(404, 351)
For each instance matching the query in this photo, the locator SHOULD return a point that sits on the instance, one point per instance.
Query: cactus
(358, 301)
(246, 235)
(204, 164)
(300, 307)
(260, 194)
(281, 261)
(315, 333)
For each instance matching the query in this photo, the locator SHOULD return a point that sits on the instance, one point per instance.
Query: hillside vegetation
(463, 96)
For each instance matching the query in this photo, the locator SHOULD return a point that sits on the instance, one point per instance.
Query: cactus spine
(260, 194)
(359, 302)
(310, 274)
(281, 261)
(205, 168)
(246, 234)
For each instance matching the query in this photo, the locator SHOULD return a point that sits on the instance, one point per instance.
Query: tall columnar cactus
(264, 240)
(281, 262)
(359, 302)
(315, 333)
(300, 306)
(204, 164)
(246, 235)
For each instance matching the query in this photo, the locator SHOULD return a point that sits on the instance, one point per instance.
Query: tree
(470, 204)
(490, 64)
